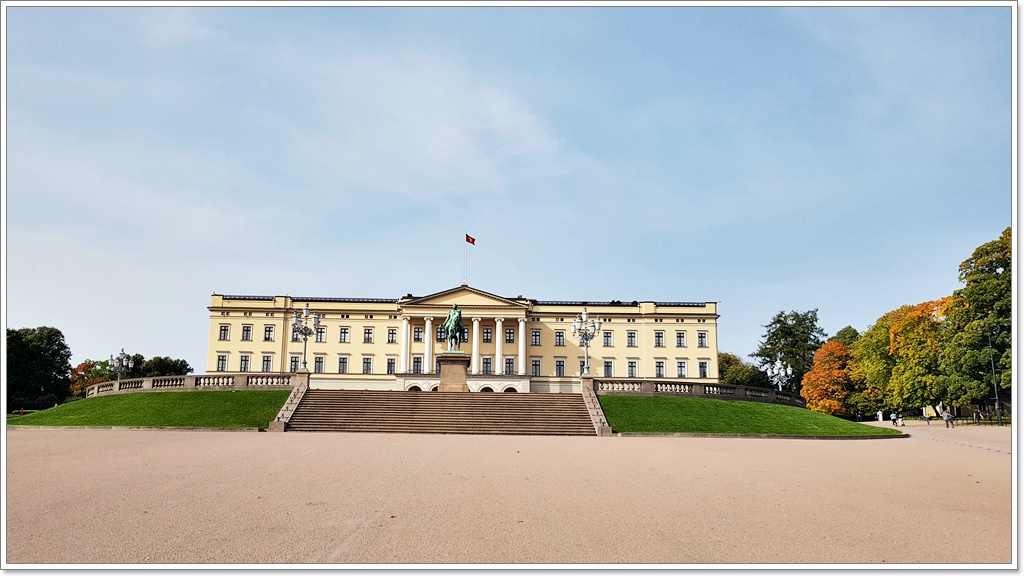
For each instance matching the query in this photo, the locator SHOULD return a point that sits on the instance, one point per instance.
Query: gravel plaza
(166, 497)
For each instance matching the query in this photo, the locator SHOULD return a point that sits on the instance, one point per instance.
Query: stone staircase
(441, 413)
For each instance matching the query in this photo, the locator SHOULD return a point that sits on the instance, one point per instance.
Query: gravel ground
(194, 497)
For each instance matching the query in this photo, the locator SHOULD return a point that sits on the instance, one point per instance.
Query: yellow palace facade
(515, 344)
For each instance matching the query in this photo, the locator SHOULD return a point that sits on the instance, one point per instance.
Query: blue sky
(772, 158)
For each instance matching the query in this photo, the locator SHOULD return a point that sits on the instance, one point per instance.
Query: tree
(915, 341)
(828, 384)
(978, 324)
(38, 366)
(794, 337)
(88, 373)
(847, 336)
(164, 366)
(733, 371)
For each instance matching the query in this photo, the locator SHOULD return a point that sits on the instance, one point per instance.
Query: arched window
(486, 389)
(414, 389)
(510, 389)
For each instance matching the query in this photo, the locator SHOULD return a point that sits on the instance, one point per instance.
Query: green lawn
(660, 414)
(223, 409)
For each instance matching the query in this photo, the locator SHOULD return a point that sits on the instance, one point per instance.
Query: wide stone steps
(441, 413)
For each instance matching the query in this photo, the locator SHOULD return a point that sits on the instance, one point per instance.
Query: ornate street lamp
(586, 330)
(995, 388)
(780, 373)
(299, 327)
(122, 364)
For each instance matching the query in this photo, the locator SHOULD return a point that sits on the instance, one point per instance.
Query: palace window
(583, 366)
(222, 362)
(417, 334)
(559, 368)
(293, 364)
(465, 335)
(343, 365)
(417, 364)
(367, 338)
(607, 368)
(659, 339)
(343, 335)
(392, 336)
(268, 333)
(559, 337)
(631, 369)
(321, 334)
(225, 332)
(510, 335)
(486, 366)
(702, 366)
(243, 363)
(659, 369)
(268, 363)
(391, 366)
(680, 339)
(367, 365)
(295, 335)
(510, 365)
(318, 365)
(631, 339)
(680, 368)
(535, 338)
(606, 338)
(247, 332)
(535, 367)
(440, 334)
(487, 335)
(702, 339)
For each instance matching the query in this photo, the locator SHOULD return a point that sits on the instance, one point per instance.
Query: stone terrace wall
(641, 387)
(237, 381)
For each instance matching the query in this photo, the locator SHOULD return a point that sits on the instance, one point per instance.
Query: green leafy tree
(978, 325)
(794, 337)
(735, 372)
(164, 366)
(38, 367)
(847, 336)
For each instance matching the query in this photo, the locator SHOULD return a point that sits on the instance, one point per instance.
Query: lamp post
(586, 330)
(780, 373)
(299, 327)
(122, 364)
(992, 363)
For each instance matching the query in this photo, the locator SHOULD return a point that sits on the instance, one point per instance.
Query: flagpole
(465, 266)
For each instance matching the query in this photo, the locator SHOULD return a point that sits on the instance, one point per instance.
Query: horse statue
(452, 328)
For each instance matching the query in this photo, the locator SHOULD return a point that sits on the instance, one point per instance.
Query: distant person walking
(948, 418)
(927, 419)
(892, 416)
(899, 419)
(977, 417)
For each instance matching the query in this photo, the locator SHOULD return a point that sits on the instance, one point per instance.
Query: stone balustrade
(642, 387)
(237, 381)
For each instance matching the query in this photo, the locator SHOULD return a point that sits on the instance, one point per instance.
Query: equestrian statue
(452, 328)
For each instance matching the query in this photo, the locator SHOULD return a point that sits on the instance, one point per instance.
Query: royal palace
(514, 344)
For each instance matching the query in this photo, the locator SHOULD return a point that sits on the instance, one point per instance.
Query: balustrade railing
(239, 381)
(699, 389)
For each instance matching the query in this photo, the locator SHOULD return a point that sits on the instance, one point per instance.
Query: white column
(521, 362)
(403, 346)
(428, 345)
(475, 368)
(499, 338)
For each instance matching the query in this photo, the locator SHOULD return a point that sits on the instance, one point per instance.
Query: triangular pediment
(465, 296)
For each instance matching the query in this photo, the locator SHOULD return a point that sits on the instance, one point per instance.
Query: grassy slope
(673, 414)
(224, 409)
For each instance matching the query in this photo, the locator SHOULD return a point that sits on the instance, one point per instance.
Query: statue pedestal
(454, 366)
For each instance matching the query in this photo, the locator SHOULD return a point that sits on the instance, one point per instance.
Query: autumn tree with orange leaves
(828, 383)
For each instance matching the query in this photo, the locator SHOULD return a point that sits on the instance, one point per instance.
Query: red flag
(470, 239)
